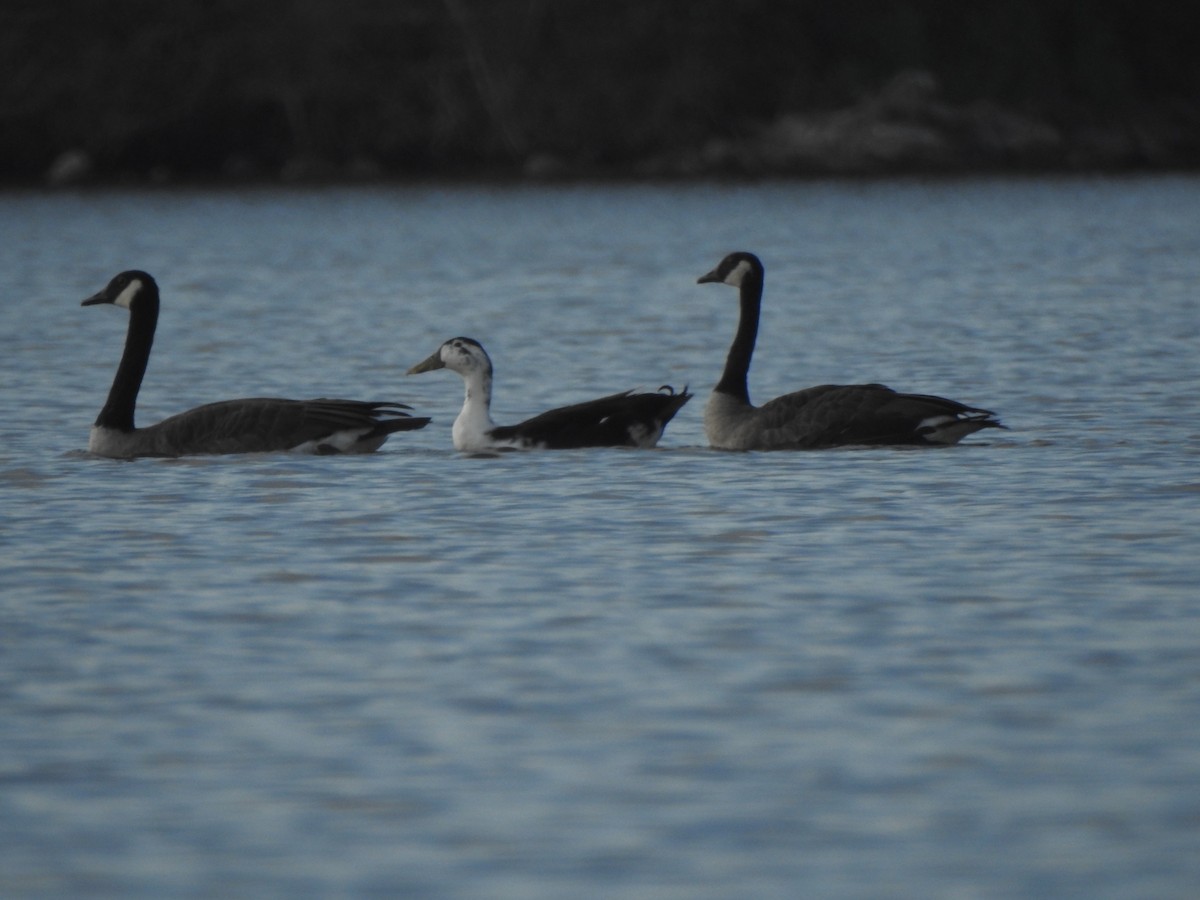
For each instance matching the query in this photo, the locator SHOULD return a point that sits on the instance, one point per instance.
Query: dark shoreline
(905, 128)
(313, 91)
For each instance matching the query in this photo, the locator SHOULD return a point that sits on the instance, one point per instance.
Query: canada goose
(231, 426)
(619, 420)
(828, 415)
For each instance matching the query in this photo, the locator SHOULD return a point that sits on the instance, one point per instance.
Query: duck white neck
(472, 429)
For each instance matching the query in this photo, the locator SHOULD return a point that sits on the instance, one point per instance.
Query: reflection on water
(668, 673)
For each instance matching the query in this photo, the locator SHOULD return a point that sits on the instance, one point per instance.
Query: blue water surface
(678, 673)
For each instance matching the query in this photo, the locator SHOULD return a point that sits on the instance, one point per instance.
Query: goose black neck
(122, 396)
(737, 363)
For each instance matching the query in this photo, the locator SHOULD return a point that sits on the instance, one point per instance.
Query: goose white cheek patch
(125, 298)
(737, 274)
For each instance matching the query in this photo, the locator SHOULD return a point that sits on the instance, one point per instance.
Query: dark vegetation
(206, 89)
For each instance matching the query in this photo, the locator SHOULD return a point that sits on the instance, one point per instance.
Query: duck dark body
(612, 421)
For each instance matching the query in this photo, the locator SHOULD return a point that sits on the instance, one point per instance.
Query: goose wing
(618, 420)
(832, 415)
(264, 424)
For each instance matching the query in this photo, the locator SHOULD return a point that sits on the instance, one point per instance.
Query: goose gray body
(251, 425)
(828, 415)
(627, 419)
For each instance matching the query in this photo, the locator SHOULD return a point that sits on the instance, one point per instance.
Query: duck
(252, 425)
(625, 419)
(827, 415)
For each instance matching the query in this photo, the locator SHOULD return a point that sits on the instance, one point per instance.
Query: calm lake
(970, 672)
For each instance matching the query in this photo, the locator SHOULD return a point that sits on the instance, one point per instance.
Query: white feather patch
(738, 274)
(340, 441)
(125, 298)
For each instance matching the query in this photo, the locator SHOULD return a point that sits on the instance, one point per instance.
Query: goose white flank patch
(253, 425)
(619, 420)
(829, 415)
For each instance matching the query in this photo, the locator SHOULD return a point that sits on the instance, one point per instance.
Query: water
(966, 673)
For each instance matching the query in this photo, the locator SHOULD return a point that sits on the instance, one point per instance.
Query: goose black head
(734, 269)
(459, 354)
(125, 290)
